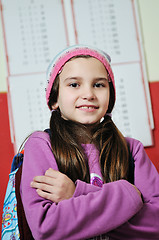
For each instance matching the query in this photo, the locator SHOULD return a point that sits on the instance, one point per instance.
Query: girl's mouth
(87, 107)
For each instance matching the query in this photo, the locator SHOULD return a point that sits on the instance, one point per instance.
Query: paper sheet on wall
(130, 112)
(30, 112)
(108, 24)
(35, 32)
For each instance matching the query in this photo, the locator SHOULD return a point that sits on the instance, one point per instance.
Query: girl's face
(83, 91)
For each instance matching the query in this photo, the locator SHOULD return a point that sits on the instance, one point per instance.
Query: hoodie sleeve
(90, 212)
(145, 224)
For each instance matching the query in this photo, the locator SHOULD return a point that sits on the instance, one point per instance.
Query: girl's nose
(88, 93)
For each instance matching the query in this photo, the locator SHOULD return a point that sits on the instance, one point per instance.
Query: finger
(44, 179)
(39, 179)
(42, 186)
(52, 173)
(52, 197)
(45, 195)
(37, 185)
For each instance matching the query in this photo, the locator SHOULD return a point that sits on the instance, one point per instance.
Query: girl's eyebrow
(101, 79)
(79, 78)
(72, 78)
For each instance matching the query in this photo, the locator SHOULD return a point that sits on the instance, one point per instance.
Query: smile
(85, 107)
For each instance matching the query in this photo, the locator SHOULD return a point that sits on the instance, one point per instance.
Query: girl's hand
(54, 186)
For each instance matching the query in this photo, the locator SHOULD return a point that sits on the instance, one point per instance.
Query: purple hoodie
(115, 209)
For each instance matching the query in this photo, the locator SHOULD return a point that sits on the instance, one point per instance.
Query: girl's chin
(84, 122)
(89, 123)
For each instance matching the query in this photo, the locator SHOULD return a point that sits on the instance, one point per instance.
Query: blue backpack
(10, 229)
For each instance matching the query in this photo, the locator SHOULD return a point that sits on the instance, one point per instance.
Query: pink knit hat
(58, 62)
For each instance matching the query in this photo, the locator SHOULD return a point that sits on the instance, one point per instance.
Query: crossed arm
(56, 186)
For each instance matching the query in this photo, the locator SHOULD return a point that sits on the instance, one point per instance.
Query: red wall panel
(153, 152)
(6, 149)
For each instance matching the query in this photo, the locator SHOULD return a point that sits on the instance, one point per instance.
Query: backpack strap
(48, 131)
(131, 167)
(24, 230)
(17, 161)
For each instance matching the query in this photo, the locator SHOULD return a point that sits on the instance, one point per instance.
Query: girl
(76, 181)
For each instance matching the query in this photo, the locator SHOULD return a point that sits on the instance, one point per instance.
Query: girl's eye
(74, 85)
(99, 85)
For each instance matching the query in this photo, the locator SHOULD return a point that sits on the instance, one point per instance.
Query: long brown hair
(66, 142)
